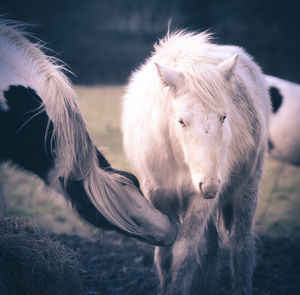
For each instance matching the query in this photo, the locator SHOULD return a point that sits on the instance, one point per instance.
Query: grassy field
(23, 195)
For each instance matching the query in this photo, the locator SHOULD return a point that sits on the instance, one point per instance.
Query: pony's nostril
(200, 186)
(209, 190)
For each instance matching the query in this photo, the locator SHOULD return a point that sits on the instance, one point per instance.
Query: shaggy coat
(285, 120)
(42, 130)
(195, 127)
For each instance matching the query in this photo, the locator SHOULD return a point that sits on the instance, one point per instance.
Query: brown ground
(35, 263)
(121, 266)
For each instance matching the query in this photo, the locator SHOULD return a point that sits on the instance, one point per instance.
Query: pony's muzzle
(209, 190)
(150, 225)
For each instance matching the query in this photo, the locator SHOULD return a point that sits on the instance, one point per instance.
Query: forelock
(206, 85)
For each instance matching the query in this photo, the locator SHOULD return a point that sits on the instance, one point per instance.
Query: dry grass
(32, 263)
(279, 205)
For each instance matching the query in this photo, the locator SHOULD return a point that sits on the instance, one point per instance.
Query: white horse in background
(285, 120)
(195, 127)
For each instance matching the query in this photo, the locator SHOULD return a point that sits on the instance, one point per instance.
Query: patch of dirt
(117, 265)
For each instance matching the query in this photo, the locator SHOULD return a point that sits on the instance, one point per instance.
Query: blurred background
(102, 41)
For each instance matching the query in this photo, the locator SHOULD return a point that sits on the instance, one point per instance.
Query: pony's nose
(209, 190)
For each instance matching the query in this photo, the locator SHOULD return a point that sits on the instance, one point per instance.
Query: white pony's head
(200, 118)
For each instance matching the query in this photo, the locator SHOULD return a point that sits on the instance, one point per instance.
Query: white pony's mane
(76, 157)
(191, 54)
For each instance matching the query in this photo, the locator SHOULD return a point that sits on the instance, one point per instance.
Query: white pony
(285, 120)
(195, 126)
(43, 132)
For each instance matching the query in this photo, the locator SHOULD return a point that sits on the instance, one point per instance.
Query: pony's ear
(168, 76)
(228, 66)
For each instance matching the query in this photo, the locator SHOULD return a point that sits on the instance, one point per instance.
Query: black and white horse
(42, 131)
(284, 140)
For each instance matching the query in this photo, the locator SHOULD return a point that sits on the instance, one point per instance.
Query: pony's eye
(181, 122)
(222, 118)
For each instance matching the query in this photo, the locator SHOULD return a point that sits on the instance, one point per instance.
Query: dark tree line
(103, 40)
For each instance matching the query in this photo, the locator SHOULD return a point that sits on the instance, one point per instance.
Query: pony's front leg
(195, 264)
(242, 242)
(184, 267)
(163, 259)
(189, 253)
